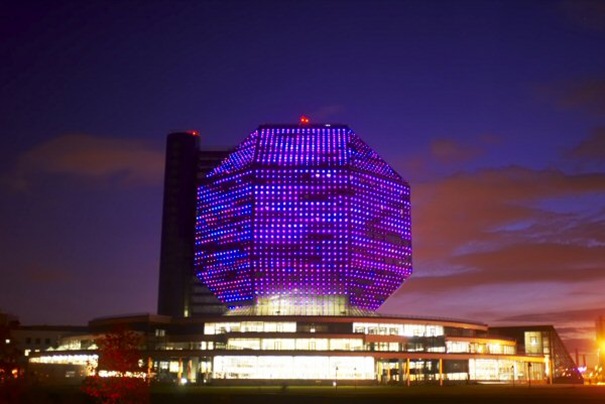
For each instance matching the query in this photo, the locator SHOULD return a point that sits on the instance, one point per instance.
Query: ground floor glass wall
(294, 367)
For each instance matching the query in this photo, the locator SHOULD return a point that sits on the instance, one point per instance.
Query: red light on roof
(304, 120)
(194, 132)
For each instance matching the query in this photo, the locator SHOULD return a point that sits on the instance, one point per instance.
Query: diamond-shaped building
(305, 218)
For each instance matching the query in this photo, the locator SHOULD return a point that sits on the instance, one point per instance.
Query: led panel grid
(305, 211)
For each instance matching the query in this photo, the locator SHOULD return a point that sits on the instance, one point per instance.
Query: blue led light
(305, 211)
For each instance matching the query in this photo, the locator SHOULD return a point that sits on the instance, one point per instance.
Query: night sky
(494, 111)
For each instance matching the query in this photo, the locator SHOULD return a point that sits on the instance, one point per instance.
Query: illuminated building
(304, 216)
(543, 340)
(181, 293)
(347, 349)
(303, 231)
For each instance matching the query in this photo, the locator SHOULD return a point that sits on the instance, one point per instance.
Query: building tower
(305, 219)
(181, 293)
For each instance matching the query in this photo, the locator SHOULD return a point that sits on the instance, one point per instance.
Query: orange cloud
(476, 210)
(533, 262)
(42, 273)
(497, 243)
(560, 316)
(591, 148)
(90, 157)
(588, 14)
(326, 113)
(584, 93)
(487, 229)
(448, 151)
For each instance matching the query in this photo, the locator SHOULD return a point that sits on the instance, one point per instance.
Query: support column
(401, 375)
(441, 371)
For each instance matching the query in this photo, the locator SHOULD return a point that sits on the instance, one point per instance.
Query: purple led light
(307, 211)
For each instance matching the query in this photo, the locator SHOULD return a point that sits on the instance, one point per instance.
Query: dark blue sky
(493, 110)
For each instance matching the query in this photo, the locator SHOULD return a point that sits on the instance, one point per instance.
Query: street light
(512, 368)
(336, 379)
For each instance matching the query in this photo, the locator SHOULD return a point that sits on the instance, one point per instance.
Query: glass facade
(305, 212)
(298, 305)
(322, 349)
(408, 330)
(249, 326)
(297, 344)
(294, 367)
(487, 347)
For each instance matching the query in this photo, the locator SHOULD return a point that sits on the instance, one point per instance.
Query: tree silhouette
(117, 378)
(11, 368)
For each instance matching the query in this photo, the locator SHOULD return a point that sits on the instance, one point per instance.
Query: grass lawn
(385, 395)
(568, 394)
